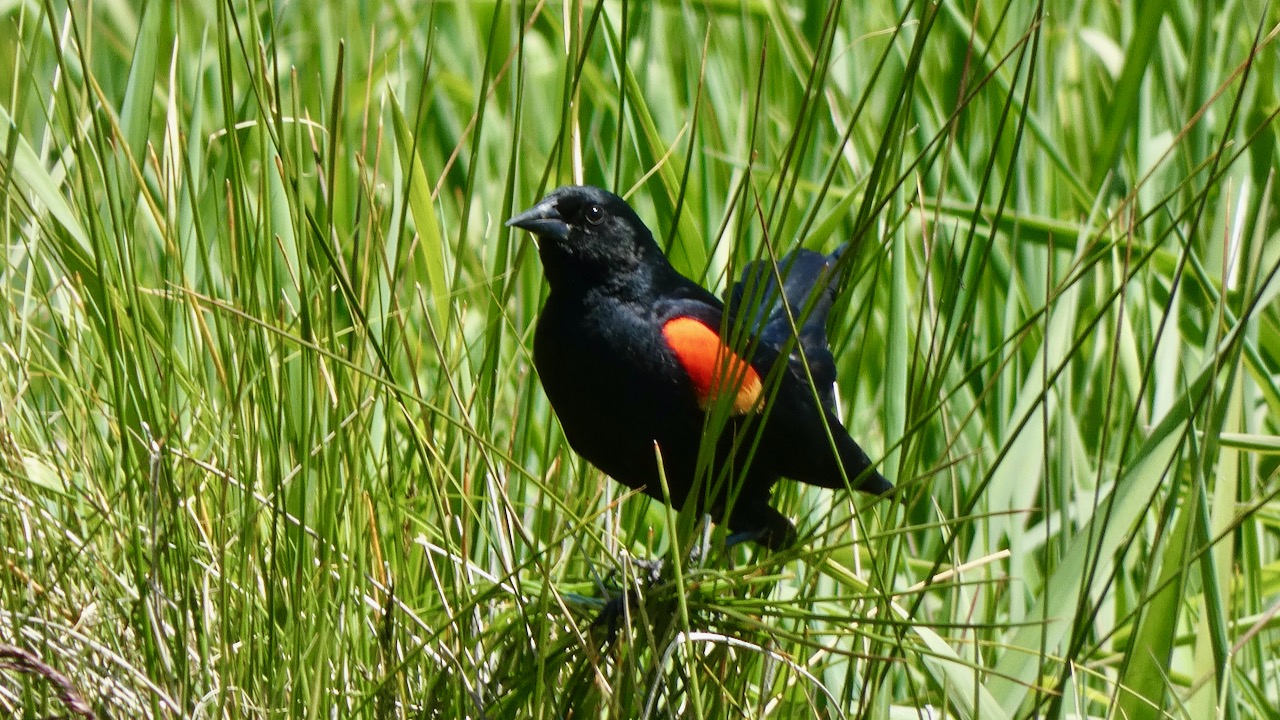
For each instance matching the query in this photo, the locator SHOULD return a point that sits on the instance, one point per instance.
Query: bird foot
(647, 574)
(734, 539)
(618, 607)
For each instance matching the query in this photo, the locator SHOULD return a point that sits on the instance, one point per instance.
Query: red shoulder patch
(713, 368)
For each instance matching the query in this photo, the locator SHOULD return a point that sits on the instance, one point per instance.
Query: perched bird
(631, 355)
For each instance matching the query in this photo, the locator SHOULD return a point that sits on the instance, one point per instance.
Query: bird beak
(542, 220)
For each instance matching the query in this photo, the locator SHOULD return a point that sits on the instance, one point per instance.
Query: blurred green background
(271, 444)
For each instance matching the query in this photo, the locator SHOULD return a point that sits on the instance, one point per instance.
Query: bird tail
(857, 467)
(848, 467)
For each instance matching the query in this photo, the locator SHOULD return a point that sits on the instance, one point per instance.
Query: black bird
(631, 357)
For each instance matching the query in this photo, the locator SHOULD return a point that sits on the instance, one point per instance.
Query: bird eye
(595, 214)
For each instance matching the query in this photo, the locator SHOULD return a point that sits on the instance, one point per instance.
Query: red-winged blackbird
(631, 356)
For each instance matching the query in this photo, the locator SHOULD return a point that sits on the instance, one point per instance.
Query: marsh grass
(271, 444)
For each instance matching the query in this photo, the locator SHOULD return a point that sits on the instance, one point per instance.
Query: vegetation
(271, 446)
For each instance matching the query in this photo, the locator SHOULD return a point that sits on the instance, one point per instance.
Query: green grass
(271, 444)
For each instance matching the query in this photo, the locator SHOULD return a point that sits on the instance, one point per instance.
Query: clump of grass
(271, 443)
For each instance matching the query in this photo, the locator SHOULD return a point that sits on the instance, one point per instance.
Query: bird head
(587, 236)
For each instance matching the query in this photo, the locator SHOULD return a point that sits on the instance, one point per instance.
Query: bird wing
(769, 314)
(690, 319)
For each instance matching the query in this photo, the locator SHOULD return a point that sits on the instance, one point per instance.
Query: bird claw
(616, 609)
(740, 537)
(648, 573)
